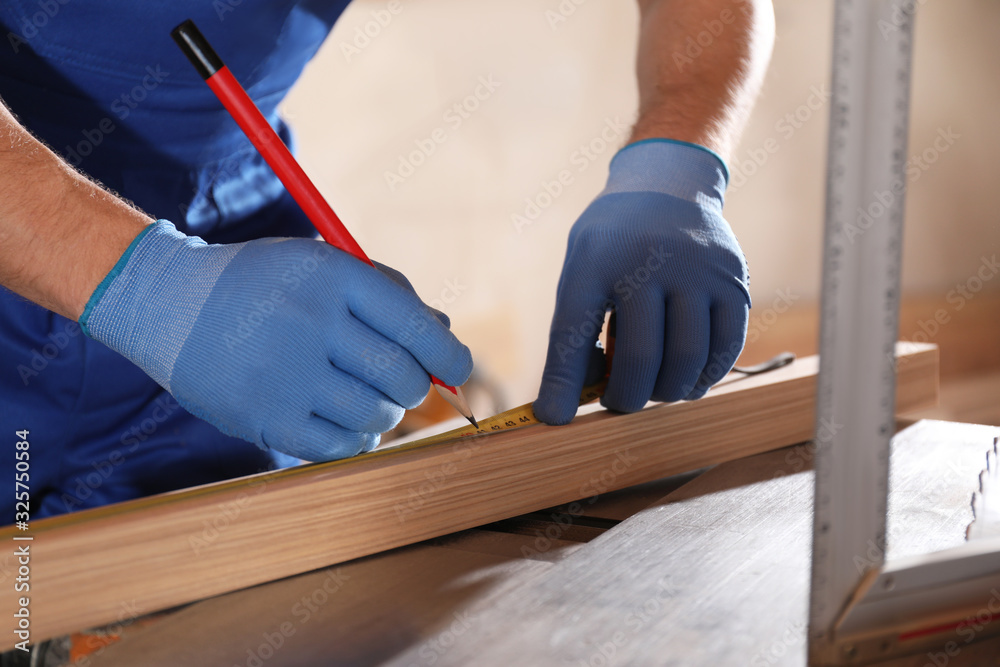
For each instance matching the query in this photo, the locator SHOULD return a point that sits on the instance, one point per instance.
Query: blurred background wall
(433, 189)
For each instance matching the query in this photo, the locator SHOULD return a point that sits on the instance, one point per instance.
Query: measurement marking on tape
(524, 415)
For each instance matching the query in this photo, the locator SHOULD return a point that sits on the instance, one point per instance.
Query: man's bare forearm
(60, 233)
(700, 66)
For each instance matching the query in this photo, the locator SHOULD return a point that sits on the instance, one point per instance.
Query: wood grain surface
(719, 573)
(714, 574)
(167, 550)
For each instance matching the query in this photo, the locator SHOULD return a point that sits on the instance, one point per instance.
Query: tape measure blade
(860, 299)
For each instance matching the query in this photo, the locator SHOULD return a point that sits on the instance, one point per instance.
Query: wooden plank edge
(152, 554)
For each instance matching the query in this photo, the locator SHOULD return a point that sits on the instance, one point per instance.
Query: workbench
(706, 568)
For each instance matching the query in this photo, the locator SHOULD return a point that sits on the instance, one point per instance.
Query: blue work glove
(288, 343)
(655, 247)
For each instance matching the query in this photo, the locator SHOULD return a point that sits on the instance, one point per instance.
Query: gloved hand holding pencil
(288, 343)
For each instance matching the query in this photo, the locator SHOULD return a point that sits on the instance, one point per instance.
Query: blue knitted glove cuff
(677, 168)
(128, 306)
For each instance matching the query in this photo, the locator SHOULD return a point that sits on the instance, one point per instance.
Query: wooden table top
(707, 568)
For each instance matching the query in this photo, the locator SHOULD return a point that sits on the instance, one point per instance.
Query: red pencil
(260, 133)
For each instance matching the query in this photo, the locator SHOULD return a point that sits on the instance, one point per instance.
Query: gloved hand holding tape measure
(654, 247)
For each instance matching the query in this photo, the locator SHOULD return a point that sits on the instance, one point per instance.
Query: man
(145, 360)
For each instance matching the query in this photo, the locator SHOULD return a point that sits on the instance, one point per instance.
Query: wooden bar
(92, 567)
(732, 546)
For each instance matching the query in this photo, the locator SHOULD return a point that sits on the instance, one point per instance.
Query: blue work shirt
(103, 84)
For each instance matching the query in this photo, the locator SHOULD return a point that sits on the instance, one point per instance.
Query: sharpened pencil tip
(456, 398)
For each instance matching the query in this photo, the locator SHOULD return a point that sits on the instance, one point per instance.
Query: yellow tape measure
(508, 420)
(524, 415)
